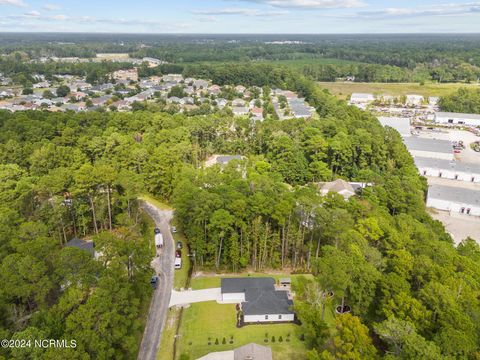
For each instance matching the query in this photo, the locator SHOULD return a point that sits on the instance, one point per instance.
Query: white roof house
(457, 118)
(402, 125)
(338, 186)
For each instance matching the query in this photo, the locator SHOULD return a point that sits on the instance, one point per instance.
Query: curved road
(164, 267)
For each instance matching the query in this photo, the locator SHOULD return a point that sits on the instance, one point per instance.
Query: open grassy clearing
(345, 89)
(206, 322)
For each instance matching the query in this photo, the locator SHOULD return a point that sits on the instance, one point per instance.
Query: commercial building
(446, 169)
(457, 118)
(454, 199)
(429, 148)
(402, 125)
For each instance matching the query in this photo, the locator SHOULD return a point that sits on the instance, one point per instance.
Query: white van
(178, 263)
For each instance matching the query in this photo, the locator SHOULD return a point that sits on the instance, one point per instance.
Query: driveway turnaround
(194, 296)
(163, 265)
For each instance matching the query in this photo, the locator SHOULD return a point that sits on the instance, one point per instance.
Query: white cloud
(51, 7)
(32, 14)
(238, 11)
(311, 4)
(18, 3)
(430, 10)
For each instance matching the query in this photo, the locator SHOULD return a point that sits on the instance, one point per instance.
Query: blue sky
(241, 16)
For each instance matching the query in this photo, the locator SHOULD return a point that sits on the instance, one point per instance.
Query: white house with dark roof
(260, 301)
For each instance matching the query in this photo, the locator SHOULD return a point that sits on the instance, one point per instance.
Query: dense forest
(370, 58)
(412, 293)
(462, 101)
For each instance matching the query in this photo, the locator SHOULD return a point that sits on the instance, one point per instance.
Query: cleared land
(344, 89)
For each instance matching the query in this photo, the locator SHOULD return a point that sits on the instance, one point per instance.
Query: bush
(280, 339)
(224, 341)
(216, 341)
(273, 338)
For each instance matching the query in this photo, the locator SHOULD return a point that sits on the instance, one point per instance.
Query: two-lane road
(164, 267)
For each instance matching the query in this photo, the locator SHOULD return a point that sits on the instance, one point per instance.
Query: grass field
(345, 89)
(206, 322)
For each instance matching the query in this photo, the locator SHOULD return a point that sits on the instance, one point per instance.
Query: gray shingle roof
(82, 245)
(261, 297)
(433, 145)
(224, 159)
(253, 351)
(454, 194)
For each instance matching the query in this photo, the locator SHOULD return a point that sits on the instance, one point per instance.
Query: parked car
(174, 229)
(179, 245)
(178, 253)
(154, 281)
(178, 263)
(156, 230)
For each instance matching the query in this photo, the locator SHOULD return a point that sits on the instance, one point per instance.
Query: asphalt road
(164, 267)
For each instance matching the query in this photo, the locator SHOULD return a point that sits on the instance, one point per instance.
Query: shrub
(216, 341)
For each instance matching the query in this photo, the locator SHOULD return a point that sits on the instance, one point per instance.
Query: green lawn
(165, 351)
(210, 320)
(205, 282)
(345, 89)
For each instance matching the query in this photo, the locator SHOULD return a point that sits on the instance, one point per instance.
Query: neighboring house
(240, 111)
(402, 125)
(457, 118)
(221, 160)
(200, 84)
(455, 199)
(238, 102)
(338, 186)
(250, 351)
(175, 78)
(299, 108)
(85, 245)
(240, 89)
(446, 169)
(260, 301)
(126, 75)
(257, 114)
(429, 148)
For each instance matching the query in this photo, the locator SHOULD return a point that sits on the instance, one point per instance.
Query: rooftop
(457, 115)
(454, 194)
(432, 145)
(447, 165)
(261, 297)
(402, 125)
(86, 245)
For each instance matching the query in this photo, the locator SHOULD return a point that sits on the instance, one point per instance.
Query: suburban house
(338, 186)
(454, 199)
(260, 300)
(402, 125)
(457, 118)
(250, 351)
(85, 245)
(221, 160)
(446, 169)
(429, 148)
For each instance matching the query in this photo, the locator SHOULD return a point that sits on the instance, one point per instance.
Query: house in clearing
(85, 245)
(260, 300)
(250, 351)
(221, 160)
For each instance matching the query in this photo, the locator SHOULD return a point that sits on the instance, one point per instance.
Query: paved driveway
(194, 296)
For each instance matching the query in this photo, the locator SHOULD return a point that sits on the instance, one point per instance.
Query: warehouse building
(429, 148)
(446, 169)
(457, 118)
(454, 199)
(402, 125)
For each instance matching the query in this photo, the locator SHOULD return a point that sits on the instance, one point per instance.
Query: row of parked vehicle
(159, 244)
